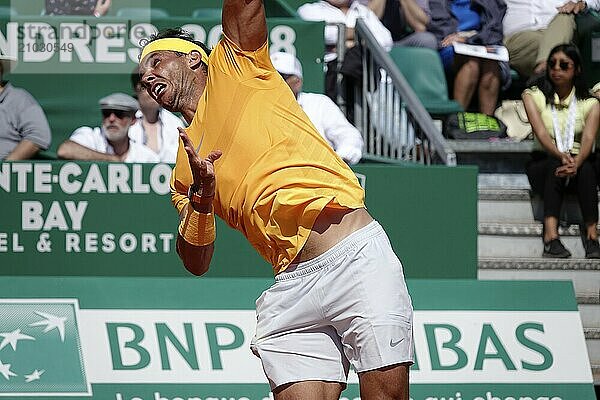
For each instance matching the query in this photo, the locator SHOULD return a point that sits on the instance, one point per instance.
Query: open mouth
(158, 90)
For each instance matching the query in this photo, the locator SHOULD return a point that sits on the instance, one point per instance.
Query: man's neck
(151, 117)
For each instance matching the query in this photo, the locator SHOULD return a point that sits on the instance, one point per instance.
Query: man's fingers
(214, 155)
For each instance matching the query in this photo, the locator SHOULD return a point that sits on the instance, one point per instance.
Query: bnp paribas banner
(188, 339)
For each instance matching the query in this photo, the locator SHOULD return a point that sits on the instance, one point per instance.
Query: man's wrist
(199, 200)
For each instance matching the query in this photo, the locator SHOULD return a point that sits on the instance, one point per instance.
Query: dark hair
(544, 83)
(178, 33)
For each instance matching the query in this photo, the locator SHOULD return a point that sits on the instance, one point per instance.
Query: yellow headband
(173, 44)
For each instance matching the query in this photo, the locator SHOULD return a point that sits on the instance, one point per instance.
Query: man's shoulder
(20, 96)
(318, 10)
(87, 130)
(315, 99)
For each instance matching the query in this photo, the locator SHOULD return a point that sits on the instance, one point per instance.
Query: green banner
(187, 338)
(69, 62)
(67, 218)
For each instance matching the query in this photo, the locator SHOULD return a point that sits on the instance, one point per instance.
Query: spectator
(322, 112)
(110, 142)
(533, 27)
(154, 127)
(96, 8)
(24, 129)
(564, 120)
(407, 22)
(344, 12)
(477, 22)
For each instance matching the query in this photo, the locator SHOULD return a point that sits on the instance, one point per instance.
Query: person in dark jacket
(477, 22)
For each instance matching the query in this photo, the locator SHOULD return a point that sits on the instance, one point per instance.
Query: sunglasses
(118, 113)
(563, 65)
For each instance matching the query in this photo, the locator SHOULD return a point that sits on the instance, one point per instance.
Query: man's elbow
(63, 151)
(196, 262)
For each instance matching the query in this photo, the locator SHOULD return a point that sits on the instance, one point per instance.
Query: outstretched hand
(203, 170)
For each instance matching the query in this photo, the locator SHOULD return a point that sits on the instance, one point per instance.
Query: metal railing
(394, 124)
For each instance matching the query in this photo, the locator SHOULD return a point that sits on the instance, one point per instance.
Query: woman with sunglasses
(564, 118)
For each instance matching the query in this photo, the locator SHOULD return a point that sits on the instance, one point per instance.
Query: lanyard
(564, 138)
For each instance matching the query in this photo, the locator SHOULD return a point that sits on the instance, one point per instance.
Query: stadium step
(510, 247)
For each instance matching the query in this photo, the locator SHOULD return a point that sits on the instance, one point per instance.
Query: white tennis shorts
(348, 305)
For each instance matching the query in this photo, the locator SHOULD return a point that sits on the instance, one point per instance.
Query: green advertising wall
(68, 63)
(66, 218)
(111, 338)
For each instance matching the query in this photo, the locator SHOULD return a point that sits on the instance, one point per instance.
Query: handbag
(469, 125)
(512, 113)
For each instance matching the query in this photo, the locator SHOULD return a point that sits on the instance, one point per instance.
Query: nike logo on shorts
(394, 344)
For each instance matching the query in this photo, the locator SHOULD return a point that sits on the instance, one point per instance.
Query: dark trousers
(540, 171)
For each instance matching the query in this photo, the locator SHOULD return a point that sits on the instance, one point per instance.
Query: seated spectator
(321, 110)
(344, 12)
(477, 22)
(109, 142)
(407, 22)
(96, 8)
(564, 120)
(533, 27)
(154, 127)
(24, 130)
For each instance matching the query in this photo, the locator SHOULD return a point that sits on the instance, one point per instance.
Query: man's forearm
(25, 150)
(244, 23)
(71, 150)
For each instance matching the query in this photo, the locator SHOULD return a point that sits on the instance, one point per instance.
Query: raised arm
(244, 23)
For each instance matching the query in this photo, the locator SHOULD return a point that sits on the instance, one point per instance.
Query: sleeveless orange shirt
(276, 173)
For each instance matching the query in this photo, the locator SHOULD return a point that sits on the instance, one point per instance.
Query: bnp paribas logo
(40, 348)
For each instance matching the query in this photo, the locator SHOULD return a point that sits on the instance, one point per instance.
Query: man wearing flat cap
(109, 142)
(24, 129)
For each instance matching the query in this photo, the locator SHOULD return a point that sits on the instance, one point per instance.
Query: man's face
(163, 73)
(116, 123)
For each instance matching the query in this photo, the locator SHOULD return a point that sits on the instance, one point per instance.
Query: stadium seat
(142, 12)
(424, 72)
(207, 12)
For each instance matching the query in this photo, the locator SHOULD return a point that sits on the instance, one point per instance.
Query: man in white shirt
(533, 27)
(154, 127)
(109, 142)
(344, 12)
(322, 112)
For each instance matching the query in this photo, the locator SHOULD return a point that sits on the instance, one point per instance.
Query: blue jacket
(491, 13)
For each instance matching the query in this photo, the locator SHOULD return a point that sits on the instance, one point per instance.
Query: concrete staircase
(510, 247)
